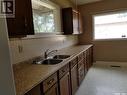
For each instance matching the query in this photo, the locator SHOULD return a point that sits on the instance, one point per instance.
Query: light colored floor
(102, 79)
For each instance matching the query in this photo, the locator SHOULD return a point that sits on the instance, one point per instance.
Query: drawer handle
(50, 82)
(63, 71)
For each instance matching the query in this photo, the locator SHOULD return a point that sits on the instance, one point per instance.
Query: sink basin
(50, 61)
(61, 56)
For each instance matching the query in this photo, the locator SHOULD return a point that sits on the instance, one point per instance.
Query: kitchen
(27, 48)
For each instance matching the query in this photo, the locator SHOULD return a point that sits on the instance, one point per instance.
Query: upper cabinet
(33, 17)
(22, 22)
(71, 21)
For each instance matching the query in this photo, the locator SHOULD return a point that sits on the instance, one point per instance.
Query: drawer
(80, 57)
(49, 82)
(63, 70)
(80, 63)
(74, 62)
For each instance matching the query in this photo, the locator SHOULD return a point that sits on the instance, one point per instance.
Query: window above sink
(46, 17)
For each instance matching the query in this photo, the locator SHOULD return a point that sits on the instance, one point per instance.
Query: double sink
(54, 60)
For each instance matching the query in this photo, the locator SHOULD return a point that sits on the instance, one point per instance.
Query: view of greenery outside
(44, 22)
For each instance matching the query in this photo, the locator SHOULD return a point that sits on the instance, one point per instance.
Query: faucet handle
(47, 50)
(45, 53)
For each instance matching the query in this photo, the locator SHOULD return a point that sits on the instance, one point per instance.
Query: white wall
(6, 77)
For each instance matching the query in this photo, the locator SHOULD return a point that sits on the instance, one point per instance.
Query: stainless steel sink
(61, 56)
(49, 61)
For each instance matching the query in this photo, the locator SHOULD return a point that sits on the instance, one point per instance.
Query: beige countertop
(30, 75)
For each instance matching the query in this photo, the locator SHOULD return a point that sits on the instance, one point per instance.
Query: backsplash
(25, 49)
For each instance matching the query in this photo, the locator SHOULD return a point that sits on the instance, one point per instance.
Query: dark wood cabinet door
(65, 88)
(35, 91)
(22, 23)
(85, 64)
(71, 23)
(81, 74)
(74, 79)
(53, 90)
(87, 59)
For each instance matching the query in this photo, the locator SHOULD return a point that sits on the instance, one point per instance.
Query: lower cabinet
(85, 63)
(65, 85)
(50, 85)
(89, 57)
(74, 79)
(35, 91)
(81, 73)
(64, 80)
(53, 90)
(67, 79)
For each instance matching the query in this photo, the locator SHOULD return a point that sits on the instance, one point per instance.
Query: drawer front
(49, 82)
(53, 90)
(63, 70)
(81, 63)
(80, 57)
(74, 62)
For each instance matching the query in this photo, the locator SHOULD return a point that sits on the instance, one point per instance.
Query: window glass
(110, 26)
(43, 22)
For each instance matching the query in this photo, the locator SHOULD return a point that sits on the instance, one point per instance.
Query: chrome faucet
(47, 53)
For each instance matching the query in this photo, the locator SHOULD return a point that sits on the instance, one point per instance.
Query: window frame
(105, 13)
(57, 22)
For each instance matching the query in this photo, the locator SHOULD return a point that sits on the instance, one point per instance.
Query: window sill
(116, 39)
(41, 35)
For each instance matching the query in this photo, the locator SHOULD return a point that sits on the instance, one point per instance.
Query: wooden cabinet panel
(53, 90)
(35, 91)
(81, 74)
(63, 70)
(73, 62)
(84, 59)
(71, 23)
(89, 57)
(49, 82)
(74, 79)
(80, 57)
(22, 23)
(65, 88)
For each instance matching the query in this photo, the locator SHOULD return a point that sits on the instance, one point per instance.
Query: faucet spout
(46, 54)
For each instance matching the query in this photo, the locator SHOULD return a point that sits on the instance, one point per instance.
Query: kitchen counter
(29, 75)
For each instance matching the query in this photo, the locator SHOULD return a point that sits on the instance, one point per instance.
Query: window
(43, 22)
(46, 17)
(110, 26)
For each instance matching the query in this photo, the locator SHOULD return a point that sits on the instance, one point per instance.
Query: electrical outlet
(20, 48)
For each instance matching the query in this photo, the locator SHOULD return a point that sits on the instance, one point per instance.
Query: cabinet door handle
(50, 82)
(63, 71)
(25, 22)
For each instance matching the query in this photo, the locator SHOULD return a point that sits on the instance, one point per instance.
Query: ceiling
(81, 2)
